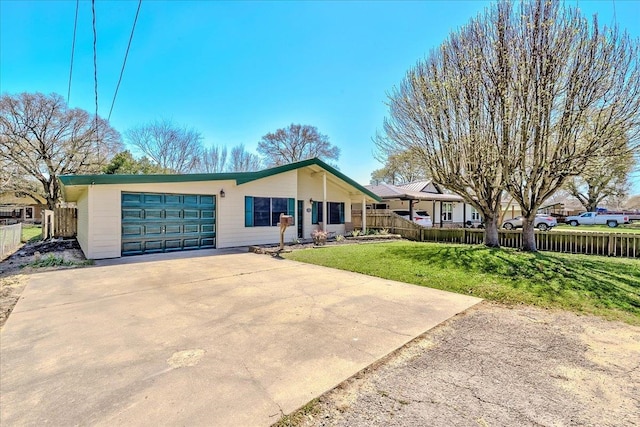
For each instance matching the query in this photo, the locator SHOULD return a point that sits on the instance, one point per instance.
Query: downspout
(364, 214)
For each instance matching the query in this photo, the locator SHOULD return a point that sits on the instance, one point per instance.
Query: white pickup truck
(593, 218)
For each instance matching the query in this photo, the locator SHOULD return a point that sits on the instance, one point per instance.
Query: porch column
(464, 214)
(324, 202)
(410, 210)
(364, 215)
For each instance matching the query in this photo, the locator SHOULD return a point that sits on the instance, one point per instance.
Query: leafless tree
(399, 168)
(295, 143)
(519, 99)
(604, 178)
(175, 148)
(243, 161)
(214, 159)
(43, 138)
(573, 90)
(447, 110)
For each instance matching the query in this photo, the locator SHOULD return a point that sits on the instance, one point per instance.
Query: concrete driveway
(209, 339)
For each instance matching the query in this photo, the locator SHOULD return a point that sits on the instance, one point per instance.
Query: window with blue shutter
(248, 211)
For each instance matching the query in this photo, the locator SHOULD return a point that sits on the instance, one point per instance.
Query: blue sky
(237, 70)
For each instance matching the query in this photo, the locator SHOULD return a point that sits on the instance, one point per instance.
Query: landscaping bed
(34, 256)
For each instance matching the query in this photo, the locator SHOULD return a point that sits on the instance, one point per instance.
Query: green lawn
(31, 233)
(626, 228)
(609, 287)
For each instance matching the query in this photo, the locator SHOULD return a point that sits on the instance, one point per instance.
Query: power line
(124, 63)
(95, 60)
(73, 48)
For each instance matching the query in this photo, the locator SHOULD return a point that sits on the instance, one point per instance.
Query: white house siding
(82, 234)
(310, 186)
(231, 230)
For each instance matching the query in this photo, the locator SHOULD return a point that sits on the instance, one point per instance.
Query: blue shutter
(291, 209)
(314, 213)
(341, 207)
(248, 211)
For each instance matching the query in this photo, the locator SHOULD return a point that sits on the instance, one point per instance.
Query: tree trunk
(491, 238)
(528, 234)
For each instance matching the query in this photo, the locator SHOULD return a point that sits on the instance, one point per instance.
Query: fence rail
(10, 238)
(590, 243)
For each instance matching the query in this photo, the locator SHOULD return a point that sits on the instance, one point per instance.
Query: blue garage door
(153, 222)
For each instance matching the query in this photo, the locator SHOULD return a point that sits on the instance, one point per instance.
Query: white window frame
(447, 212)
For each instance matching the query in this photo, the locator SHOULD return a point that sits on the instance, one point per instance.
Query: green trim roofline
(239, 177)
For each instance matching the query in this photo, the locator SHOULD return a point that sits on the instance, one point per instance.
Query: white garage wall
(82, 234)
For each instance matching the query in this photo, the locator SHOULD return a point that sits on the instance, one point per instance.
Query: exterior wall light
(222, 193)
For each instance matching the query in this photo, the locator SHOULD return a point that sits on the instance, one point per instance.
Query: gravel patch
(496, 366)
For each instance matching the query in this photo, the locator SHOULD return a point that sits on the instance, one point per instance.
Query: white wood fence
(10, 237)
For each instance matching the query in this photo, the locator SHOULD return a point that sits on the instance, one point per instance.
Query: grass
(607, 287)
(31, 233)
(55, 261)
(624, 228)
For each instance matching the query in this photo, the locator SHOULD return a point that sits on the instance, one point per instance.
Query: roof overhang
(74, 185)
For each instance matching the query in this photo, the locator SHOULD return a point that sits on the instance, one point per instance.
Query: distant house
(445, 209)
(18, 208)
(139, 214)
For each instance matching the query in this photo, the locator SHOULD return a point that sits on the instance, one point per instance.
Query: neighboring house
(14, 209)
(445, 209)
(135, 214)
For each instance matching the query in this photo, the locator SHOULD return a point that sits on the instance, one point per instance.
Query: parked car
(542, 223)
(419, 217)
(594, 218)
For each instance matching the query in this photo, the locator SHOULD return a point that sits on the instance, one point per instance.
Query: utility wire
(124, 63)
(73, 48)
(95, 60)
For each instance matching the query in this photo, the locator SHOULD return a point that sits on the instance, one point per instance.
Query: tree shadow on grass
(576, 280)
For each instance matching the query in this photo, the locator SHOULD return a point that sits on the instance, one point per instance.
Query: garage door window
(265, 211)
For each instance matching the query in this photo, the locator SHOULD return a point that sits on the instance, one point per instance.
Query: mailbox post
(285, 221)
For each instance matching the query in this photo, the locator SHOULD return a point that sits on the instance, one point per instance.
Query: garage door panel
(207, 243)
(173, 199)
(206, 200)
(190, 200)
(191, 228)
(153, 199)
(132, 213)
(132, 198)
(153, 213)
(167, 222)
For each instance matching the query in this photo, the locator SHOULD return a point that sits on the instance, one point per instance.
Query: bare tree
(43, 138)
(573, 92)
(243, 161)
(535, 90)
(214, 159)
(295, 143)
(399, 168)
(447, 110)
(604, 178)
(176, 149)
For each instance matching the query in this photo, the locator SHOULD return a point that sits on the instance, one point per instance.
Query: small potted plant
(319, 237)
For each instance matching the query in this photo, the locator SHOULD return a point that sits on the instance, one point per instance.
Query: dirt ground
(14, 270)
(496, 366)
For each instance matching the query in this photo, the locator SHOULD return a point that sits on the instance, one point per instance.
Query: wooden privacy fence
(60, 222)
(590, 243)
(10, 238)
